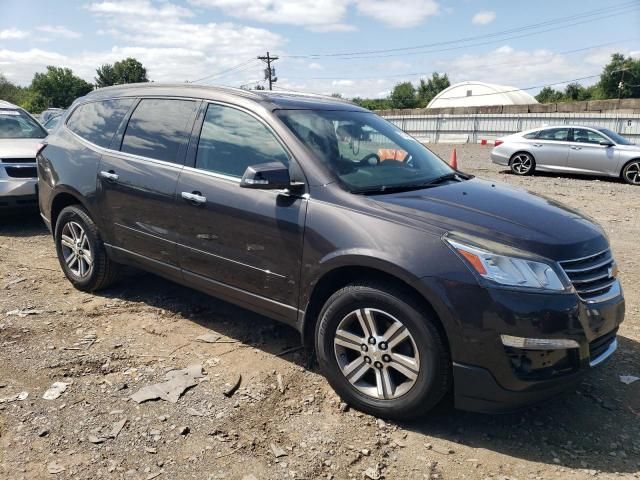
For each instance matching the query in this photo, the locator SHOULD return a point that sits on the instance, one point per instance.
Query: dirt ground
(284, 421)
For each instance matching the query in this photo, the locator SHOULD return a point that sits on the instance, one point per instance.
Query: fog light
(538, 343)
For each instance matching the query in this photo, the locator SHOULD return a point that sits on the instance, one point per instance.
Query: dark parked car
(407, 277)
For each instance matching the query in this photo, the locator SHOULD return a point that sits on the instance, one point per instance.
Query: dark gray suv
(408, 278)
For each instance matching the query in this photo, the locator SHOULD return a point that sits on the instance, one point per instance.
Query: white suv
(20, 137)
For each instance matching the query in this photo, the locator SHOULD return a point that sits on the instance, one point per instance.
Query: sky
(359, 48)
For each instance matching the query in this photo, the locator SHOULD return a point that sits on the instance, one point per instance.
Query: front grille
(600, 344)
(18, 160)
(22, 172)
(591, 276)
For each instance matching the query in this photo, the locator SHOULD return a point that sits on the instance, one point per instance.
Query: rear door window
(97, 122)
(158, 128)
(558, 134)
(232, 140)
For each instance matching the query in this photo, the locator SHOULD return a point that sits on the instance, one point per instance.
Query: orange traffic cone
(453, 163)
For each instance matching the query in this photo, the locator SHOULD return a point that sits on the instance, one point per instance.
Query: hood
(19, 147)
(628, 148)
(504, 214)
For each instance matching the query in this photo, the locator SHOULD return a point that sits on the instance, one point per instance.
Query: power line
(269, 72)
(233, 73)
(498, 93)
(221, 72)
(412, 74)
(617, 10)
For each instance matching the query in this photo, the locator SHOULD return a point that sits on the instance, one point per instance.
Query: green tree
(403, 95)
(549, 95)
(432, 87)
(128, 70)
(105, 76)
(59, 87)
(612, 76)
(575, 92)
(372, 103)
(9, 91)
(336, 95)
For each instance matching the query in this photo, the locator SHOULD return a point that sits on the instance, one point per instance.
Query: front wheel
(522, 163)
(381, 352)
(80, 250)
(631, 172)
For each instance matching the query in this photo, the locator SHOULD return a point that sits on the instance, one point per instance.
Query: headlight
(509, 271)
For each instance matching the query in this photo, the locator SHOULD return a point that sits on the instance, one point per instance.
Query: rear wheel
(522, 163)
(80, 250)
(381, 352)
(631, 172)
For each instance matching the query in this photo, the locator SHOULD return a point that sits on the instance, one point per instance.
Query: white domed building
(477, 94)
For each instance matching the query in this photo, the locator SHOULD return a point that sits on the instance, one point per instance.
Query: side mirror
(607, 143)
(266, 176)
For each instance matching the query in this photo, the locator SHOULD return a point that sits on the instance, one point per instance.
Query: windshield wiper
(410, 186)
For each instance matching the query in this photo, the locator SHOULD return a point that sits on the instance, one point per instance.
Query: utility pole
(621, 84)
(269, 72)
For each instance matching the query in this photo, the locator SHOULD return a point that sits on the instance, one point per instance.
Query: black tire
(102, 271)
(434, 377)
(631, 172)
(522, 163)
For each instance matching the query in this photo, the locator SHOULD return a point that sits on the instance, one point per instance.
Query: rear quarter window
(158, 127)
(531, 135)
(97, 122)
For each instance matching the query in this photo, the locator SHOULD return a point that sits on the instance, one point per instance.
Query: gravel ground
(283, 420)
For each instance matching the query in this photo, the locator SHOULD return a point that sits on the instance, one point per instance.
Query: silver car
(20, 137)
(570, 149)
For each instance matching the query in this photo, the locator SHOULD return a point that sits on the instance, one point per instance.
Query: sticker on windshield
(9, 112)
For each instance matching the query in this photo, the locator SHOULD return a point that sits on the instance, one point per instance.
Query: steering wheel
(367, 160)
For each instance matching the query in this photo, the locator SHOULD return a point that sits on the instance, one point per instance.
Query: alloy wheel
(376, 353)
(522, 164)
(76, 249)
(632, 173)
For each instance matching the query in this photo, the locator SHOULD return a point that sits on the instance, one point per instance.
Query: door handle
(110, 175)
(576, 148)
(195, 198)
(537, 144)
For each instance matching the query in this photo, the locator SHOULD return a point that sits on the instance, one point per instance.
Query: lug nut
(386, 358)
(378, 365)
(372, 340)
(383, 345)
(364, 347)
(367, 360)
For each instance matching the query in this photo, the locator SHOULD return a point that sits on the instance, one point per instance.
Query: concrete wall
(476, 127)
(626, 105)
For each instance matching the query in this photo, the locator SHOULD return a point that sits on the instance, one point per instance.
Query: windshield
(17, 124)
(365, 152)
(619, 139)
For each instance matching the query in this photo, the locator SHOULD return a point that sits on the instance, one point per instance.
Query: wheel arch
(336, 278)
(624, 165)
(62, 198)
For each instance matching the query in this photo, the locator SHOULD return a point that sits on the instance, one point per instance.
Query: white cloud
(508, 66)
(342, 83)
(59, 31)
(13, 34)
(315, 66)
(484, 17)
(407, 13)
(294, 12)
(166, 38)
(142, 8)
(325, 15)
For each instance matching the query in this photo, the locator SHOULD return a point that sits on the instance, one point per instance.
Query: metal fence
(474, 128)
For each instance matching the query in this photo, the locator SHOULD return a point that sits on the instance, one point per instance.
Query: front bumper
(18, 192)
(491, 377)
